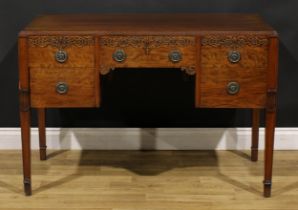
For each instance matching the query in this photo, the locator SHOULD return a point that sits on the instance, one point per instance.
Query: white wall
(151, 138)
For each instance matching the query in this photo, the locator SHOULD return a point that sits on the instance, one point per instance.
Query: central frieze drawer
(147, 51)
(61, 51)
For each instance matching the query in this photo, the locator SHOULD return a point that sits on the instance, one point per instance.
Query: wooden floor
(133, 180)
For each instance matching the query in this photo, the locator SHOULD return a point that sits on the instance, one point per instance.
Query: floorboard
(148, 180)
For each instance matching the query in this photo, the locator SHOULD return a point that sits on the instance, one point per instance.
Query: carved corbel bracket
(190, 70)
(271, 100)
(104, 70)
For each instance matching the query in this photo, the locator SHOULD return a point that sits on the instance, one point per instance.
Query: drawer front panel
(216, 88)
(147, 51)
(61, 52)
(62, 87)
(218, 58)
(233, 80)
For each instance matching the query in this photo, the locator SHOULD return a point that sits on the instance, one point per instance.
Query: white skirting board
(149, 138)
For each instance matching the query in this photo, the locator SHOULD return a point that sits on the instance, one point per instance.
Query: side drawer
(62, 87)
(233, 72)
(147, 52)
(61, 51)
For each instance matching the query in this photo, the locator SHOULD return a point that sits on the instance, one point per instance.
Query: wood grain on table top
(149, 23)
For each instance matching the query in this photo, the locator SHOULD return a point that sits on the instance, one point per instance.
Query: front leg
(271, 108)
(269, 141)
(25, 120)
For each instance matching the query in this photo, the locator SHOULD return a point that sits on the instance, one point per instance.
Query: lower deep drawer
(62, 87)
(232, 88)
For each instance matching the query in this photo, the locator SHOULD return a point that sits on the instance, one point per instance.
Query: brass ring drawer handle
(234, 56)
(61, 88)
(175, 56)
(61, 56)
(119, 56)
(233, 88)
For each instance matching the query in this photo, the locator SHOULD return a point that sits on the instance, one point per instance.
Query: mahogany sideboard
(233, 57)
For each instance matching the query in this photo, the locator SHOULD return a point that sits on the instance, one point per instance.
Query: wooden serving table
(234, 58)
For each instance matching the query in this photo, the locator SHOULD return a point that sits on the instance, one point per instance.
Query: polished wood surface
(25, 117)
(252, 57)
(158, 180)
(148, 52)
(270, 118)
(42, 133)
(255, 134)
(217, 71)
(42, 50)
(81, 87)
(147, 24)
(87, 45)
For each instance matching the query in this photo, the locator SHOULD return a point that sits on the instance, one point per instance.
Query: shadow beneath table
(56, 183)
(145, 162)
(11, 188)
(238, 184)
(52, 154)
(290, 187)
(241, 154)
(148, 161)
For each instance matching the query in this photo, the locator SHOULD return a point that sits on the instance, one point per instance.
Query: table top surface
(149, 23)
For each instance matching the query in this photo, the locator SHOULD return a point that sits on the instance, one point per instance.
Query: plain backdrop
(152, 97)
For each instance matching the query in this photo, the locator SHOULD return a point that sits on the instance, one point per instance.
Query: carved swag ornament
(234, 41)
(148, 43)
(61, 42)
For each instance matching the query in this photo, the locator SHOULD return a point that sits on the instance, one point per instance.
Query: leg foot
(254, 154)
(267, 188)
(27, 187)
(43, 152)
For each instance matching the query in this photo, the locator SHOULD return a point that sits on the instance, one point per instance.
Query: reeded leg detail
(255, 134)
(42, 134)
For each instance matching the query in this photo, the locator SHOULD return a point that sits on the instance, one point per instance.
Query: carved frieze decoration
(61, 42)
(234, 41)
(190, 70)
(146, 42)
